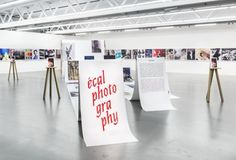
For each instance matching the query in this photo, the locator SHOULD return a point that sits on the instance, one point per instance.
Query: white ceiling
(84, 16)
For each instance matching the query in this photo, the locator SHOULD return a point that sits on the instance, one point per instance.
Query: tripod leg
(58, 93)
(16, 71)
(13, 67)
(9, 72)
(219, 86)
(211, 73)
(45, 84)
(50, 83)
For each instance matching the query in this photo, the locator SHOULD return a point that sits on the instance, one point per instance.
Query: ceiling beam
(147, 25)
(15, 3)
(105, 12)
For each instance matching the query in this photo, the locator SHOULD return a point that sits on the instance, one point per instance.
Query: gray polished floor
(33, 130)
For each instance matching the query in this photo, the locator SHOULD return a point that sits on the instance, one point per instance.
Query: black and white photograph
(73, 70)
(96, 46)
(170, 54)
(228, 54)
(191, 54)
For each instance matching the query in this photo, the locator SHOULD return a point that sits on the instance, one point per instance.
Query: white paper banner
(153, 87)
(104, 117)
(74, 95)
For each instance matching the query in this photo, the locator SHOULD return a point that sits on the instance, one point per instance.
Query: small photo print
(28, 54)
(68, 50)
(127, 74)
(213, 62)
(148, 53)
(118, 54)
(181, 54)
(110, 52)
(203, 54)
(156, 53)
(96, 46)
(141, 53)
(73, 70)
(170, 54)
(19, 54)
(228, 54)
(134, 54)
(4, 54)
(50, 53)
(42, 53)
(58, 54)
(126, 53)
(74, 94)
(35, 54)
(191, 54)
(216, 53)
(50, 62)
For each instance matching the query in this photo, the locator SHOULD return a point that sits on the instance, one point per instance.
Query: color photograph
(28, 54)
(127, 74)
(158, 53)
(203, 54)
(148, 53)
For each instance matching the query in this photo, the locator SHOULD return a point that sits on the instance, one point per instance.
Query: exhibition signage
(153, 85)
(103, 111)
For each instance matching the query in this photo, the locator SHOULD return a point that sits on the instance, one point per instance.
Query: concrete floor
(33, 130)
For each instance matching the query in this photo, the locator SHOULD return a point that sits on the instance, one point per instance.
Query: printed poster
(103, 111)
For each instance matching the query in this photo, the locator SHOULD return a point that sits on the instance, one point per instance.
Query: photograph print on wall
(170, 54)
(203, 54)
(134, 54)
(35, 54)
(73, 70)
(216, 53)
(19, 54)
(96, 46)
(50, 53)
(4, 54)
(191, 54)
(181, 54)
(28, 54)
(148, 53)
(118, 54)
(156, 53)
(141, 53)
(228, 54)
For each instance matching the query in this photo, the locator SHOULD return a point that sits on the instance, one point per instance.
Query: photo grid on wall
(189, 54)
(29, 54)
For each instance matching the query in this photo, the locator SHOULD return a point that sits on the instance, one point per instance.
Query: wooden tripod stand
(14, 70)
(50, 71)
(211, 73)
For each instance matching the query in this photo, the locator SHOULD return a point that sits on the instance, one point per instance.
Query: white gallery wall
(219, 36)
(26, 40)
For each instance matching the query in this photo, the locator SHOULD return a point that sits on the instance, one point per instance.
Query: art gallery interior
(117, 79)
